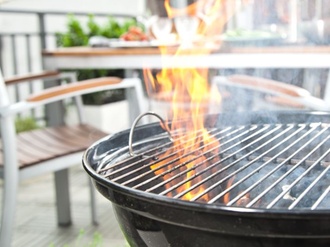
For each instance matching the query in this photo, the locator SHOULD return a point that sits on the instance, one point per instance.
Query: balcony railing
(20, 52)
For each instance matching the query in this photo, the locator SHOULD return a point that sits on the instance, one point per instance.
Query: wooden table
(310, 58)
(236, 57)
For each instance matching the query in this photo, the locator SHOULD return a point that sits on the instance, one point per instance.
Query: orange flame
(226, 197)
(190, 87)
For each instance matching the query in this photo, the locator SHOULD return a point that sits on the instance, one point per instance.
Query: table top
(226, 57)
(91, 51)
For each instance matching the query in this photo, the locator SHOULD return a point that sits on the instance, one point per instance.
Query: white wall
(12, 22)
(111, 6)
(27, 23)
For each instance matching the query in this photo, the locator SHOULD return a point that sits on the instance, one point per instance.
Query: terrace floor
(36, 223)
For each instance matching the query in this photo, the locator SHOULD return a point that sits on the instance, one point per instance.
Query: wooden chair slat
(87, 133)
(30, 141)
(26, 154)
(44, 144)
(52, 142)
(30, 77)
(72, 135)
(24, 158)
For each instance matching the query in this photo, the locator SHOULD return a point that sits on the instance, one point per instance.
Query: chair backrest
(9, 110)
(4, 99)
(132, 86)
(18, 88)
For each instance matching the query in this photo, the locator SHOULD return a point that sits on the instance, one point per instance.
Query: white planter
(111, 118)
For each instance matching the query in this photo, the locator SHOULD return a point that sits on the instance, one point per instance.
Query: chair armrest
(30, 77)
(267, 85)
(278, 92)
(82, 87)
(66, 91)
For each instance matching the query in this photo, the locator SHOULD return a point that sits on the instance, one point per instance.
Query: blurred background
(27, 27)
(299, 22)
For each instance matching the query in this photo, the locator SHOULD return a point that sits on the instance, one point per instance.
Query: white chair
(50, 149)
(247, 93)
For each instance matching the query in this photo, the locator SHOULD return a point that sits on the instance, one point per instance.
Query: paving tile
(36, 225)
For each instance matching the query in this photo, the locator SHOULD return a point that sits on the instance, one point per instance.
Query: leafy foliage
(81, 241)
(25, 124)
(75, 36)
(93, 28)
(79, 35)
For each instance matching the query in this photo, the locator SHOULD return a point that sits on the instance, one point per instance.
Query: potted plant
(25, 124)
(100, 106)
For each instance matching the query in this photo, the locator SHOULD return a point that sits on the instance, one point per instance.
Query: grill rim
(188, 214)
(198, 206)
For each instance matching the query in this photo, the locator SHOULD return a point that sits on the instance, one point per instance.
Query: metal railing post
(1, 47)
(42, 29)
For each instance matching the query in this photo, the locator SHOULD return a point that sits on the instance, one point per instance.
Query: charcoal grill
(268, 185)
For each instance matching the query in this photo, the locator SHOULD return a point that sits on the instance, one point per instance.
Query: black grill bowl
(149, 219)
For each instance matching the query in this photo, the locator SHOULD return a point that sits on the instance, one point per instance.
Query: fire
(226, 197)
(189, 87)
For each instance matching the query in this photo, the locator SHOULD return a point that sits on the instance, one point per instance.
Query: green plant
(78, 35)
(80, 241)
(74, 36)
(25, 123)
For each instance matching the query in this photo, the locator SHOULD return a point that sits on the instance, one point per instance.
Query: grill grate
(268, 166)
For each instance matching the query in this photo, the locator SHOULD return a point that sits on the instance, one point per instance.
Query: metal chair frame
(12, 174)
(277, 95)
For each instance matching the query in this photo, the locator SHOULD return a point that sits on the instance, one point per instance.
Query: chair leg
(62, 197)
(10, 189)
(93, 203)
